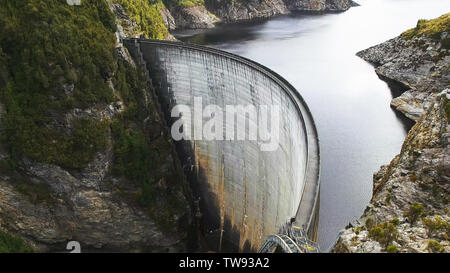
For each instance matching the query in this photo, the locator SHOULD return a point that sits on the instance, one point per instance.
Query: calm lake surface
(358, 130)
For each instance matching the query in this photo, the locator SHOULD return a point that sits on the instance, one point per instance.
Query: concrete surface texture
(245, 193)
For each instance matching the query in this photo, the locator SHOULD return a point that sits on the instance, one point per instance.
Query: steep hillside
(142, 17)
(409, 210)
(84, 152)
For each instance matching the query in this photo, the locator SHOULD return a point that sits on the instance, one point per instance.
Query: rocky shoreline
(228, 11)
(207, 14)
(415, 67)
(409, 210)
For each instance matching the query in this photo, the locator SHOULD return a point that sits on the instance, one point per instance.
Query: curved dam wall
(245, 193)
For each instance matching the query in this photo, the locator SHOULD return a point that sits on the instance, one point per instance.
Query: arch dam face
(245, 193)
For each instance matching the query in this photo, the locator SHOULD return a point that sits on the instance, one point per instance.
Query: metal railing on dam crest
(246, 194)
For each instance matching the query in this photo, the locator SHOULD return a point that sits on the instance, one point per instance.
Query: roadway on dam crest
(245, 194)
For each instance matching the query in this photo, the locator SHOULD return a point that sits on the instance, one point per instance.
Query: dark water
(316, 53)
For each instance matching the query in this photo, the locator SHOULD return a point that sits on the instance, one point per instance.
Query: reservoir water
(358, 130)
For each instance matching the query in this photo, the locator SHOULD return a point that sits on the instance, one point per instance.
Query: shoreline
(408, 211)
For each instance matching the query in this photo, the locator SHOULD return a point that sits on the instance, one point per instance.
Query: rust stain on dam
(245, 194)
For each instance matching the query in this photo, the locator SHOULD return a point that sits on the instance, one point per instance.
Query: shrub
(395, 221)
(358, 229)
(435, 226)
(447, 108)
(415, 211)
(45, 45)
(13, 244)
(142, 154)
(89, 137)
(369, 223)
(435, 246)
(147, 16)
(391, 249)
(384, 233)
(36, 193)
(132, 155)
(190, 3)
(430, 28)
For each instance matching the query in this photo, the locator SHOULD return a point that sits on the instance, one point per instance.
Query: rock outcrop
(234, 11)
(418, 67)
(168, 19)
(196, 17)
(409, 210)
(414, 185)
(48, 205)
(230, 11)
(131, 196)
(319, 5)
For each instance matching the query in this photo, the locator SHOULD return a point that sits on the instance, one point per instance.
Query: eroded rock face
(168, 19)
(193, 17)
(229, 11)
(319, 5)
(48, 205)
(418, 66)
(420, 174)
(93, 214)
(233, 11)
(409, 208)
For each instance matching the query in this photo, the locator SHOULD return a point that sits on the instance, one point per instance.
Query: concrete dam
(245, 193)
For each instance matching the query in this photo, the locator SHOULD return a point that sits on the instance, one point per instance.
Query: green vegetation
(132, 154)
(190, 3)
(13, 244)
(358, 229)
(447, 108)
(7, 167)
(391, 249)
(395, 221)
(430, 28)
(147, 17)
(435, 226)
(414, 212)
(44, 46)
(87, 133)
(185, 3)
(146, 163)
(369, 223)
(435, 246)
(55, 58)
(35, 193)
(384, 233)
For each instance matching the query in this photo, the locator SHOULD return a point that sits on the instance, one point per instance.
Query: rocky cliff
(414, 65)
(156, 18)
(228, 11)
(409, 210)
(84, 151)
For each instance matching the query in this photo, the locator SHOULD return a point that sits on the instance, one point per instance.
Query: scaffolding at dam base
(292, 239)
